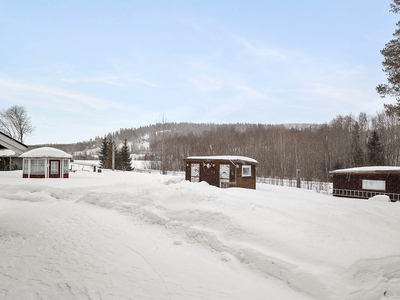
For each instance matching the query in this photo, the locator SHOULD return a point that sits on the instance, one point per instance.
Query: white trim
(246, 167)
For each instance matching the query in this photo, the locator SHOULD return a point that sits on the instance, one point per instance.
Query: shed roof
(370, 169)
(231, 158)
(46, 152)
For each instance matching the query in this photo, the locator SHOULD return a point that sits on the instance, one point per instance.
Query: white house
(9, 150)
(45, 162)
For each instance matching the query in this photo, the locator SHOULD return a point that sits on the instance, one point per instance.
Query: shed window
(246, 171)
(37, 166)
(377, 185)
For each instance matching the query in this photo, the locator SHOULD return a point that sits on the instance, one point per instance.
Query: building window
(26, 166)
(37, 166)
(65, 167)
(377, 185)
(54, 167)
(246, 171)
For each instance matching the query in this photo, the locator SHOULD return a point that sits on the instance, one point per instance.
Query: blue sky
(86, 68)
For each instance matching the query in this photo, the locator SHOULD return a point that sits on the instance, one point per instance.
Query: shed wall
(246, 182)
(353, 182)
(210, 172)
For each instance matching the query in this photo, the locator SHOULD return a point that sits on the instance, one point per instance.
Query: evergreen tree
(103, 153)
(125, 157)
(391, 66)
(375, 150)
(118, 159)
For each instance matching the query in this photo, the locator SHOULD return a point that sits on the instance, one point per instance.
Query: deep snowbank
(329, 248)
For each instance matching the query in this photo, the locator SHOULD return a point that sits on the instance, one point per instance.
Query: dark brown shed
(222, 171)
(366, 182)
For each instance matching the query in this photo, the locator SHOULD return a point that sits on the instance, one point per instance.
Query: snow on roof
(367, 169)
(46, 152)
(224, 157)
(6, 153)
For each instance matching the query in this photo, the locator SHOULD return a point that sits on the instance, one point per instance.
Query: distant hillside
(140, 139)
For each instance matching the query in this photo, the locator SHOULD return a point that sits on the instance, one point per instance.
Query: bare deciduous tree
(15, 122)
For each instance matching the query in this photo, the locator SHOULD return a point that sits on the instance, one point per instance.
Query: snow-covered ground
(126, 235)
(87, 165)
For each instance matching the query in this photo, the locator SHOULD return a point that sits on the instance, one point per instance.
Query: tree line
(281, 150)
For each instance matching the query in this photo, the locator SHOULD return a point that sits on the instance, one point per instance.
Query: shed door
(195, 173)
(224, 171)
(54, 169)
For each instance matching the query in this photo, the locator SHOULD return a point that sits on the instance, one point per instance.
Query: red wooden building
(45, 162)
(222, 171)
(366, 182)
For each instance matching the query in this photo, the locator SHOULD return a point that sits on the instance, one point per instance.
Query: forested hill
(138, 136)
(315, 149)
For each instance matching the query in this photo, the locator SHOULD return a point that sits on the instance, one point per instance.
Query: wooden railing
(363, 194)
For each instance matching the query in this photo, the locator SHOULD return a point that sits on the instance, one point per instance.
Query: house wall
(4, 164)
(353, 182)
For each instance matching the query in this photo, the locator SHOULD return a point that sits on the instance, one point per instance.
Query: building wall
(210, 172)
(353, 181)
(246, 182)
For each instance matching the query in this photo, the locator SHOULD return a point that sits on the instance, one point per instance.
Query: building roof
(367, 169)
(7, 153)
(231, 158)
(46, 152)
(7, 142)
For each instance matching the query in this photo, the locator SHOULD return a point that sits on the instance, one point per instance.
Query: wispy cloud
(43, 95)
(119, 81)
(259, 50)
(337, 88)
(207, 83)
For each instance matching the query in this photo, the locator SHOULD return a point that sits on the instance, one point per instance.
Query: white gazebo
(45, 162)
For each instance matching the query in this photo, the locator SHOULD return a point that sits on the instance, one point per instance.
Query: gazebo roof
(46, 152)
